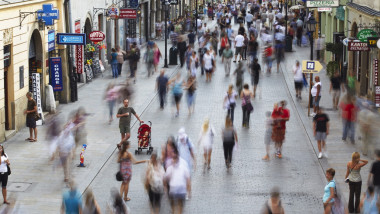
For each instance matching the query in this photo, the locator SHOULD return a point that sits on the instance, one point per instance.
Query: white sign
(37, 96)
(323, 3)
(345, 42)
(378, 43)
(324, 9)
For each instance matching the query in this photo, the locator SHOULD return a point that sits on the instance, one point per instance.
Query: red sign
(358, 46)
(78, 51)
(97, 36)
(128, 14)
(375, 71)
(377, 96)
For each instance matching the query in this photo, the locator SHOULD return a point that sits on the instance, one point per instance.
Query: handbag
(9, 170)
(338, 206)
(119, 176)
(37, 116)
(248, 105)
(348, 180)
(232, 105)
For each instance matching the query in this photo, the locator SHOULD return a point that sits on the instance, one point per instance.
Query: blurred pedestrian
(114, 63)
(355, 181)
(298, 79)
(252, 47)
(90, 204)
(321, 127)
(255, 75)
(186, 149)
(370, 202)
(316, 93)
(157, 56)
(117, 206)
(79, 121)
(111, 97)
(226, 59)
(336, 86)
(239, 43)
(349, 111)
(120, 59)
(31, 113)
(191, 86)
(149, 59)
(229, 102)
(330, 191)
(167, 152)
(274, 205)
(133, 57)
(72, 201)
(126, 159)
(367, 120)
(268, 52)
(194, 64)
(268, 133)
(374, 174)
(177, 180)
(182, 50)
(246, 104)
(279, 51)
(229, 141)
(154, 182)
(125, 114)
(162, 87)
(65, 147)
(4, 165)
(245, 46)
(239, 72)
(177, 91)
(209, 64)
(280, 116)
(206, 138)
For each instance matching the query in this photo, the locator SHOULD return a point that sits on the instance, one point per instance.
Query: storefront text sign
(48, 14)
(51, 40)
(364, 34)
(324, 9)
(326, 3)
(56, 73)
(36, 87)
(71, 38)
(375, 71)
(127, 14)
(358, 46)
(372, 41)
(97, 36)
(377, 96)
(78, 51)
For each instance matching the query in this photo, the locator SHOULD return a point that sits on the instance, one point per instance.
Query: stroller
(144, 139)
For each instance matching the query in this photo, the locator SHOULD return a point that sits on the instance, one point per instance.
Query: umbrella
(296, 7)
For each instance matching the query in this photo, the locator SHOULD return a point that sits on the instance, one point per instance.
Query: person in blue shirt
(370, 202)
(72, 201)
(114, 63)
(328, 197)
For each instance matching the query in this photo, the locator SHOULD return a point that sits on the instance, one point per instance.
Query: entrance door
(7, 125)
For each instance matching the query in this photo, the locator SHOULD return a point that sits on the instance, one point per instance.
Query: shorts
(154, 198)
(255, 80)
(320, 136)
(336, 93)
(177, 199)
(177, 97)
(269, 61)
(316, 103)
(298, 85)
(238, 50)
(4, 179)
(208, 71)
(124, 129)
(30, 122)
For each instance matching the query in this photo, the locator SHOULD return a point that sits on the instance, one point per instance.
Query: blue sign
(51, 40)
(48, 14)
(56, 73)
(133, 3)
(71, 38)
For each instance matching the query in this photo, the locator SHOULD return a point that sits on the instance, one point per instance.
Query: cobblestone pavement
(244, 189)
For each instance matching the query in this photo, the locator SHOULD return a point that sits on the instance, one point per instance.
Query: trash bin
(288, 43)
(173, 52)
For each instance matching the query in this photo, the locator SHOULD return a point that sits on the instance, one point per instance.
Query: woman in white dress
(194, 63)
(206, 138)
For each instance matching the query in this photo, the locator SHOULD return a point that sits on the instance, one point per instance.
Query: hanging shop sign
(372, 42)
(324, 9)
(340, 13)
(325, 3)
(375, 71)
(133, 3)
(113, 11)
(127, 13)
(48, 14)
(51, 40)
(377, 96)
(97, 36)
(358, 46)
(364, 34)
(345, 41)
(78, 50)
(56, 73)
(37, 95)
(71, 38)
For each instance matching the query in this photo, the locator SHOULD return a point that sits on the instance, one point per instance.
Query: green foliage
(335, 48)
(332, 66)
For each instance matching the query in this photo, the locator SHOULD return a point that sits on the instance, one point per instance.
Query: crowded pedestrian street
(226, 127)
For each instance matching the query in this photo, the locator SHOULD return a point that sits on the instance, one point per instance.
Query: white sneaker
(320, 155)
(312, 114)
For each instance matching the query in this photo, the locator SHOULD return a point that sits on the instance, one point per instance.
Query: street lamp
(288, 38)
(166, 8)
(311, 25)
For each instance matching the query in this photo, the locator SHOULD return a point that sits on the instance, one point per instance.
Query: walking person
(114, 63)
(182, 50)
(230, 102)
(157, 56)
(72, 200)
(31, 112)
(335, 87)
(253, 46)
(374, 175)
(90, 204)
(162, 87)
(330, 191)
(191, 86)
(246, 104)
(226, 59)
(316, 94)
(354, 181)
(154, 182)
(370, 202)
(268, 52)
(273, 205)
(229, 140)
(133, 57)
(206, 139)
(186, 149)
(255, 75)
(65, 148)
(120, 59)
(126, 159)
(239, 72)
(268, 133)
(4, 165)
(245, 46)
(209, 64)
(321, 127)
(117, 205)
(349, 111)
(239, 43)
(223, 43)
(149, 59)
(177, 91)
(111, 97)
(194, 64)
(125, 114)
(298, 79)
(280, 116)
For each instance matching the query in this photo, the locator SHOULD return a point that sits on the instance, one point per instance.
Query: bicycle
(89, 73)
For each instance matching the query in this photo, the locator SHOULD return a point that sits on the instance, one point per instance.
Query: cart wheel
(150, 149)
(148, 152)
(136, 152)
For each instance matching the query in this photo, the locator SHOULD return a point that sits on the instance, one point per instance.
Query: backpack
(149, 56)
(177, 89)
(228, 136)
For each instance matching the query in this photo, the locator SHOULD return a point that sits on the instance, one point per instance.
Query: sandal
(6, 202)
(127, 199)
(33, 140)
(118, 146)
(28, 139)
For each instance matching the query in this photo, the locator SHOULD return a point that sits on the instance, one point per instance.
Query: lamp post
(196, 18)
(311, 25)
(166, 8)
(288, 38)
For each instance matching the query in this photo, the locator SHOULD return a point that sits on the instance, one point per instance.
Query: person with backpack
(154, 182)
(186, 149)
(229, 140)
(273, 205)
(149, 58)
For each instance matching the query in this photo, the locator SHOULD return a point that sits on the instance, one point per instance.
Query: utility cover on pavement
(311, 66)
(18, 187)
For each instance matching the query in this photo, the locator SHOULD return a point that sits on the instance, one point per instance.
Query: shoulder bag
(232, 105)
(338, 205)
(347, 179)
(119, 176)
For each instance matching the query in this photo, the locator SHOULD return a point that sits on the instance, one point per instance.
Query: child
(144, 141)
(268, 133)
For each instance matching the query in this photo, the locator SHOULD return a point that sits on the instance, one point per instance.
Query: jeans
(355, 190)
(249, 24)
(246, 114)
(227, 66)
(162, 95)
(230, 113)
(111, 104)
(348, 126)
(119, 66)
(228, 147)
(114, 70)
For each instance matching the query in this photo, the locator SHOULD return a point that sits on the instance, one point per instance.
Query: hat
(182, 134)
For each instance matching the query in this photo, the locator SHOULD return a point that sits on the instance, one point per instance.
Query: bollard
(81, 156)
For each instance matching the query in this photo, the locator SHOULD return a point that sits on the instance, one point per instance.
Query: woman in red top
(268, 57)
(349, 110)
(280, 116)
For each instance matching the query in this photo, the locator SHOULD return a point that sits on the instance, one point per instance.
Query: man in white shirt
(249, 19)
(239, 42)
